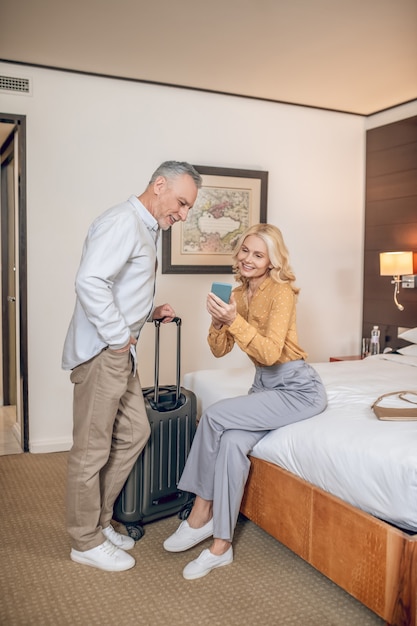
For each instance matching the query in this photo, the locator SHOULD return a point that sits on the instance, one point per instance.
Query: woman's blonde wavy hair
(278, 254)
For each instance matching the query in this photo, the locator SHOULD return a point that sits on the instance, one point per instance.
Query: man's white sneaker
(186, 537)
(207, 561)
(106, 556)
(121, 541)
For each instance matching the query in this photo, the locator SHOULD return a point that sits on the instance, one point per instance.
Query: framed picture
(229, 201)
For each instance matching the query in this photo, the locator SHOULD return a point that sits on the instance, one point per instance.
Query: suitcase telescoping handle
(158, 322)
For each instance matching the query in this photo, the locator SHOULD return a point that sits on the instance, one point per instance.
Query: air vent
(15, 85)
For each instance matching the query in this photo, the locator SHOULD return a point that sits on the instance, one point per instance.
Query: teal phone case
(222, 290)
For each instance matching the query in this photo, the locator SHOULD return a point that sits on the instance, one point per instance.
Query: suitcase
(150, 492)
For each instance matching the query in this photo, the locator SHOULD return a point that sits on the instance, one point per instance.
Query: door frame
(21, 315)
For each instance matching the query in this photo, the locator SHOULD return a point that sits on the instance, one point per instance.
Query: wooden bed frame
(373, 561)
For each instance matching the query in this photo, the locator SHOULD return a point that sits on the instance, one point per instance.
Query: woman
(261, 319)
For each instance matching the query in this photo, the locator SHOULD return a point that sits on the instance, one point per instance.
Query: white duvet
(345, 450)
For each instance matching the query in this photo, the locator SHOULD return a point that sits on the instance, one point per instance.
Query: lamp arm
(396, 283)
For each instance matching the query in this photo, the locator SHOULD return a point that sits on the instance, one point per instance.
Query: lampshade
(395, 263)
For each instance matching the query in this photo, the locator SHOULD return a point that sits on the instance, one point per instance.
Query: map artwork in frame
(229, 201)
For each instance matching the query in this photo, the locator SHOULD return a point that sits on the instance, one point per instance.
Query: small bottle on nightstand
(375, 334)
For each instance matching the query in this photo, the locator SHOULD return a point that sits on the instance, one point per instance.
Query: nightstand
(355, 357)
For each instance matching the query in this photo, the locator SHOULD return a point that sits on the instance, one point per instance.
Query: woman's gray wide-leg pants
(218, 466)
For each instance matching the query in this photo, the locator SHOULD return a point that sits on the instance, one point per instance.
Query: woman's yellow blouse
(265, 330)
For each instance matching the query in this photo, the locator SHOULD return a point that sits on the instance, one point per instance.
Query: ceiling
(355, 56)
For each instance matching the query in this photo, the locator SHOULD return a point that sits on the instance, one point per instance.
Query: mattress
(345, 450)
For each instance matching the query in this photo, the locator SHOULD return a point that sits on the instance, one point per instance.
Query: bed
(340, 489)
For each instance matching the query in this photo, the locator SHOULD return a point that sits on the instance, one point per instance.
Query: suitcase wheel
(186, 510)
(135, 531)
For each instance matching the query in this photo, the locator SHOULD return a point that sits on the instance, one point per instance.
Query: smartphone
(222, 290)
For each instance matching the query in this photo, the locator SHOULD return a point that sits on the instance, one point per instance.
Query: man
(115, 287)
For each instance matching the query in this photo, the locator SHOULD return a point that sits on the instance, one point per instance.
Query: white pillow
(402, 359)
(409, 335)
(409, 350)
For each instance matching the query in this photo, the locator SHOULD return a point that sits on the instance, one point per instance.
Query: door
(13, 271)
(9, 275)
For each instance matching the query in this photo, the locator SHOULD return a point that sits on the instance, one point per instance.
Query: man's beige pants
(110, 430)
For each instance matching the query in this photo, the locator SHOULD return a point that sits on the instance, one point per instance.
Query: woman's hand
(221, 312)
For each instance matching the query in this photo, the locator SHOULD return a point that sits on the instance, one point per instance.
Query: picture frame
(229, 201)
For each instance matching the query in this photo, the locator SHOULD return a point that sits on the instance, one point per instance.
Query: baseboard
(58, 445)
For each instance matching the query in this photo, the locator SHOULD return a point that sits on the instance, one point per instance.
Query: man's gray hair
(173, 169)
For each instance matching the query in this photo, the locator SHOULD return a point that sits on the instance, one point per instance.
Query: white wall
(91, 142)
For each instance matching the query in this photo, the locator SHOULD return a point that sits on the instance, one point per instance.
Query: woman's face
(252, 258)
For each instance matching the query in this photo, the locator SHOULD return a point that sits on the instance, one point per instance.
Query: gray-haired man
(115, 287)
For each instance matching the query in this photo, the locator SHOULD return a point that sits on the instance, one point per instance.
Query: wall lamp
(402, 267)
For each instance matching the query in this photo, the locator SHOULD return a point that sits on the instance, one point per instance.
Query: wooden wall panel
(390, 224)
(399, 236)
(396, 159)
(395, 185)
(390, 211)
(391, 135)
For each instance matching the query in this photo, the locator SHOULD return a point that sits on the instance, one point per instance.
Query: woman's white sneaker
(106, 556)
(186, 537)
(206, 562)
(121, 541)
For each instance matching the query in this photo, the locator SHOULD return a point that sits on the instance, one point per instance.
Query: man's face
(174, 198)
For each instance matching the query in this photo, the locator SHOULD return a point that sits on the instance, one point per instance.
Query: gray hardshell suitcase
(150, 492)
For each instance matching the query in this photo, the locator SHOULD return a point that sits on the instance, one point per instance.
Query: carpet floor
(40, 586)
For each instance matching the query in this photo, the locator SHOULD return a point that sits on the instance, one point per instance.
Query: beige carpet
(41, 586)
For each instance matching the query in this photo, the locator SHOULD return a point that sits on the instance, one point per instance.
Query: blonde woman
(261, 319)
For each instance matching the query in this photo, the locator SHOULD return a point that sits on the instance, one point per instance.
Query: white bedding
(345, 450)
